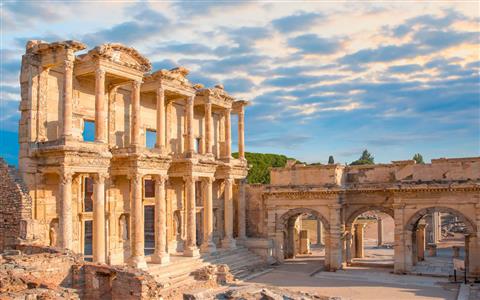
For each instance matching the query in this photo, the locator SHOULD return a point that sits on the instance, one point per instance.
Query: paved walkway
(355, 283)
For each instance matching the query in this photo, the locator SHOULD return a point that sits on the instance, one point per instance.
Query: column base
(138, 262)
(229, 243)
(191, 252)
(161, 258)
(208, 248)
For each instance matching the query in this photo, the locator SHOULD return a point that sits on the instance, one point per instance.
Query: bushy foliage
(260, 163)
(365, 159)
(418, 158)
(331, 161)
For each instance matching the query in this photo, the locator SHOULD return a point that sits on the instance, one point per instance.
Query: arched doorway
(304, 233)
(438, 235)
(369, 237)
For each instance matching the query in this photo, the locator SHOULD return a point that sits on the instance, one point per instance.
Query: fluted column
(100, 105)
(137, 258)
(99, 218)
(67, 98)
(228, 241)
(160, 256)
(207, 245)
(136, 113)
(241, 212)
(191, 248)
(160, 144)
(241, 132)
(190, 138)
(208, 127)
(65, 219)
(228, 133)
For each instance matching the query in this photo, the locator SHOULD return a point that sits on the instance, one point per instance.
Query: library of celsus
(122, 162)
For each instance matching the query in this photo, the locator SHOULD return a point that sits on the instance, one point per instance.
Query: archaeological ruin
(131, 169)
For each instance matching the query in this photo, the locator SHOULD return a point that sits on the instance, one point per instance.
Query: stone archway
(471, 240)
(284, 235)
(356, 213)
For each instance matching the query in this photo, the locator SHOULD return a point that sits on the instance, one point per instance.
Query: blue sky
(324, 78)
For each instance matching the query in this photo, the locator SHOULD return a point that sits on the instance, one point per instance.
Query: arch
(282, 221)
(410, 225)
(356, 213)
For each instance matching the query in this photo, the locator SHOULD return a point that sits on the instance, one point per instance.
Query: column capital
(66, 176)
(68, 65)
(100, 72)
(100, 178)
(227, 111)
(190, 178)
(136, 83)
(208, 180)
(136, 177)
(160, 179)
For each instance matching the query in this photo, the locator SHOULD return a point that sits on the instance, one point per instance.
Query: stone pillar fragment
(191, 248)
(160, 255)
(242, 212)
(99, 218)
(228, 241)
(136, 113)
(160, 142)
(65, 219)
(319, 232)
(420, 234)
(137, 258)
(207, 246)
(100, 106)
(67, 102)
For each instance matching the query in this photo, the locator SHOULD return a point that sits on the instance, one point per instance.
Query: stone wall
(15, 208)
(255, 211)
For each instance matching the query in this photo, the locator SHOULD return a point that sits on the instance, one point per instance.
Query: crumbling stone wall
(15, 208)
(255, 211)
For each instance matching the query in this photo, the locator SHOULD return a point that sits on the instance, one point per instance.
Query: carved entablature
(217, 96)
(120, 54)
(187, 167)
(239, 105)
(56, 53)
(174, 80)
(234, 171)
(302, 195)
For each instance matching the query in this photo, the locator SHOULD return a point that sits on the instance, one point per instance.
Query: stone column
(65, 219)
(160, 256)
(241, 212)
(160, 143)
(228, 241)
(359, 251)
(208, 127)
(379, 232)
(191, 248)
(135, 140)
(241, 132)
(208, 246)
(100, 106)
(168, 109)
(334, 238)
(228, 133)
(348, 247)
(190, 137)
(319, 232)
(137, 258)
(67, 98)
(420, 242)
(99, 218)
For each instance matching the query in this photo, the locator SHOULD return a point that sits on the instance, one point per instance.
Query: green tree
(331, 161)
(260, 164)
(418, 158)
(365, 159)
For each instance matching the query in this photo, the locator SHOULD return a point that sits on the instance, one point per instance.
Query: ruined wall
(255, 211)
(15, 208)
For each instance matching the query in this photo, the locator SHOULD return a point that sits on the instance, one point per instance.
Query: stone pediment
(120, 54)
(217, 92)
(177, 75)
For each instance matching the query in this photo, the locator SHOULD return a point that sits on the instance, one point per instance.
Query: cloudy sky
(323, 78)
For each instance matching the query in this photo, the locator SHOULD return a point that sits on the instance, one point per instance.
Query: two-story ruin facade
(121, 162)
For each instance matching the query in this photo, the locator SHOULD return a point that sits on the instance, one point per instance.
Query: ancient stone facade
(337, 195)
(155, 175)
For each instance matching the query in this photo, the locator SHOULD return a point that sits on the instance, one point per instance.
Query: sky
(323, 78)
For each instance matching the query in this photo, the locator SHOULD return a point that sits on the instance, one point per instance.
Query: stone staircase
(177, 273)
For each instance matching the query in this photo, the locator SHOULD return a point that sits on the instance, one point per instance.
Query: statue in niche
(176, 224)
(52, 233)
(123, 232)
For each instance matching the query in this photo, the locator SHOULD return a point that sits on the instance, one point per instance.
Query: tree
(418, 158)
(260, 164)
(331, 161)
(365, 159)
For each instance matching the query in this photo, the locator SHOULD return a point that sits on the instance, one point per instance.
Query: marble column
(135, 140)
(359, 240)
(67, 98)
(379, 232)
(191, 248)
(208, 127)
(99, 218)
(190, 136)
(241, 132)
(228, 241)
(160, 255)
(420, 235)
(65, 218)
(228, 133)
(207, 246)
(137, 258)
(160, 142)
(242, 212)
(100, 106)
